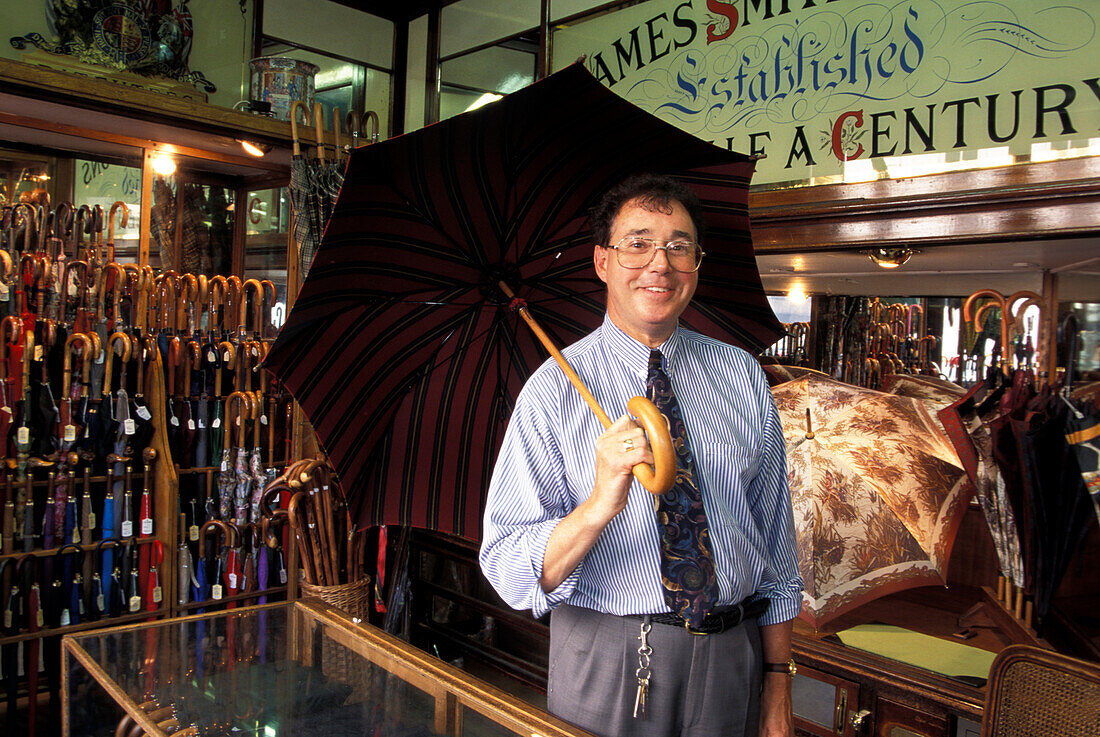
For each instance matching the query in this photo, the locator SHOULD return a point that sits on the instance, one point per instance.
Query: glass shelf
(286, 669)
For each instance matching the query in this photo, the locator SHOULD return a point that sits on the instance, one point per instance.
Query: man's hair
(656, 192)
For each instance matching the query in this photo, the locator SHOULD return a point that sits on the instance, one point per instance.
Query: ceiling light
(163, 165)
(796, 294)
(890, 258)
(254, 149)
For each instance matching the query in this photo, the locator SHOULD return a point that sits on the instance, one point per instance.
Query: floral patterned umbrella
(878, 492)
(938, 392)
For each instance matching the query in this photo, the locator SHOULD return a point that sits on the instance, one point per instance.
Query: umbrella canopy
(878, 493)
(401, 346)
(937, 392)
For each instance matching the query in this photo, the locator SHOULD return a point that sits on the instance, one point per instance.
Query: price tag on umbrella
(232, 580)
(157, 594)
(193, 533)
(23, 435)
(65, 619)
(135, 603)
(143, 413)
(99, 604)
(128, 426)
(216, 591)
(147, 526)
(70, 433)
(127, 528)
(39, 618)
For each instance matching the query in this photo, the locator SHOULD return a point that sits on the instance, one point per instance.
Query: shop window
(105, 184)
(342, 84)
(191, 226)
(267, 216)
(472, 79)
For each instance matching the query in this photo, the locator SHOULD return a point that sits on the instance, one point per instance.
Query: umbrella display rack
(863, 341)
(793, 348)
(1038, 512)
(126, 395)
(315, 179)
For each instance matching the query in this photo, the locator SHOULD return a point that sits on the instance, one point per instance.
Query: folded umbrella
(9, 652)
(31, 647)
(72, 611)
(105, 554)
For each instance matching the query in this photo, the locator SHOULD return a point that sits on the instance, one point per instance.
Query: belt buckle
(695, 632)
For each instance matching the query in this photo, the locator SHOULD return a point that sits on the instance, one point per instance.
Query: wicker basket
(352, 598)
(337, 661)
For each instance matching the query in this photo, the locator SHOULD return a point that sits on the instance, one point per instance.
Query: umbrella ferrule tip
(517, 304)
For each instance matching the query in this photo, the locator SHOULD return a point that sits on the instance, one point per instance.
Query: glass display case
(300, 668)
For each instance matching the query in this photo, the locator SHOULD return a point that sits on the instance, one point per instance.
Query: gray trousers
(700, 685)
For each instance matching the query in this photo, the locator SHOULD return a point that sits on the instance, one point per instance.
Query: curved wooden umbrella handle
(657, 480)
(659, 477)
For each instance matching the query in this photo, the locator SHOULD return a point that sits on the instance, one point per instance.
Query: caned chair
(1038, 693)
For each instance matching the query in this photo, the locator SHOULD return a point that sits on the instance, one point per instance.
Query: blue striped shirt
(546, 468)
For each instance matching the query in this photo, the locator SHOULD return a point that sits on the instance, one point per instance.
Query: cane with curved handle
(657, 478)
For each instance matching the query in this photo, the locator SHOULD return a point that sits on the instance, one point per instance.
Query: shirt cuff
(781, 609)
(543, 601)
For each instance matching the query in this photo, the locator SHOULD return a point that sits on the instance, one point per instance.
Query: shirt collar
(633, 355)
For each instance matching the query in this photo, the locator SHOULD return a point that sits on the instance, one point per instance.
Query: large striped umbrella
(401, 347)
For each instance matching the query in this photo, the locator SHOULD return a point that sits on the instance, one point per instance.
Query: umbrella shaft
(570, 374)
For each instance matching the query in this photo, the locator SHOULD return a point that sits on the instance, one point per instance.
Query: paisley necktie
(687, 561)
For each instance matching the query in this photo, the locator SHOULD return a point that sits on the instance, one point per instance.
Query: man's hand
(621, 447)
(775, 706)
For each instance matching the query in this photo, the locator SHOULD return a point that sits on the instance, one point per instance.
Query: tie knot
(654, 360)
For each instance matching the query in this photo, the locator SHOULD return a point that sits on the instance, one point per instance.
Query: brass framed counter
(281, 669)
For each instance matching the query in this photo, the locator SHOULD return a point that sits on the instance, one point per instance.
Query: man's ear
(599, 258)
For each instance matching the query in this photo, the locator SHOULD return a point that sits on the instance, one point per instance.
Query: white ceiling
(943, 271)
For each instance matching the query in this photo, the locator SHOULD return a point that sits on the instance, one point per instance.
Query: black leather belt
(717, 621)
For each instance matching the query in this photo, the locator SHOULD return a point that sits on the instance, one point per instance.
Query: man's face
(646, 303)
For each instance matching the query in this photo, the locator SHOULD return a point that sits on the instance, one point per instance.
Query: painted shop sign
(827, 88)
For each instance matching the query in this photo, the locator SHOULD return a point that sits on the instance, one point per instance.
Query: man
(567, 529)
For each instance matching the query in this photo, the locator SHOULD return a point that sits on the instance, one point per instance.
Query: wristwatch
(787, 668)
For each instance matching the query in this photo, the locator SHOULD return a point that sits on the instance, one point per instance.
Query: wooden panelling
(1052, 199)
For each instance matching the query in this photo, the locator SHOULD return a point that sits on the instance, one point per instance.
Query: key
(639, 699)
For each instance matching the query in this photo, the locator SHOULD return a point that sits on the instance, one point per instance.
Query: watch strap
(787, 668)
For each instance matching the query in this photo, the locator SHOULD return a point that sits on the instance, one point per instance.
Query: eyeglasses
(635, 252)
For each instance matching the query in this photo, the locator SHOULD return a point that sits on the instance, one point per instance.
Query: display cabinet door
(822, 703)
(899, 720)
